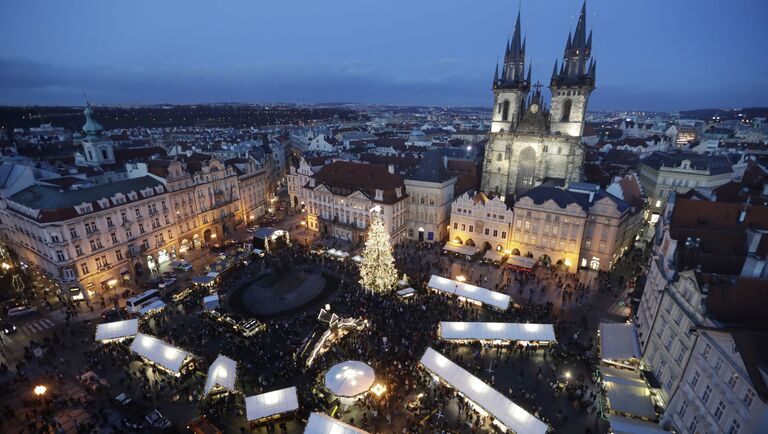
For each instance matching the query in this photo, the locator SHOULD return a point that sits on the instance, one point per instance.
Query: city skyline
(420, 55)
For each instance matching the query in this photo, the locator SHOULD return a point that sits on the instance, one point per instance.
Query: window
(114, 238)
(694, 423)
(670, 341)
(463, 227)
(109, 222)
(487, 232)
(680, 355)
(455, 225)
(695, 379)
(54, 238)
(735, 427)
(95, 245)
(718, 364)
(733, 380)
(119, 255)
(60, 255)
(471, 228)
(707, 393)
(707, 350)
(138, 212)
(503, 235)
(128, 233)
(749, 398)
(495, 233)
(73, 233)
(79, 250)
(683, 408)
(84, 268)
(719, 411)
(141, 228)
(566, 111)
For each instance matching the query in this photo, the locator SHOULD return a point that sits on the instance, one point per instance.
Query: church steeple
(91, 127)
(513, 71)
(510, 84)
(577, 53)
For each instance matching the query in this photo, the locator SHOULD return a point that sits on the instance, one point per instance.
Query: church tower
(572, 84)
(97, 149)
(511, 86)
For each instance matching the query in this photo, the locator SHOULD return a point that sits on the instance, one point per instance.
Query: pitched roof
(561, 197)
(715, 164)
(345, 177)
(431, 168)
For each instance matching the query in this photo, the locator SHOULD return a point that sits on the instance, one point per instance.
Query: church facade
(531, 143)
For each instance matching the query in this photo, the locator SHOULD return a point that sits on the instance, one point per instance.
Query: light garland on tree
(378, 272)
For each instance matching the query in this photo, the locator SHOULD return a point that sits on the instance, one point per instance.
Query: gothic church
(530, 143)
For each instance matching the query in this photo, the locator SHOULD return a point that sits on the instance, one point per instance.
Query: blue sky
(652, 54)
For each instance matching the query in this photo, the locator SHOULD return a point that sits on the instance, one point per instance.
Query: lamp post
(40, 392)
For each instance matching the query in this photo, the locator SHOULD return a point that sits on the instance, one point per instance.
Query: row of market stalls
(629, 402)
(496, 332)
(483, 398)
(471, 293)
(501, 257)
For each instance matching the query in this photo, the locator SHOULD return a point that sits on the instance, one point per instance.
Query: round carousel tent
(349, 379)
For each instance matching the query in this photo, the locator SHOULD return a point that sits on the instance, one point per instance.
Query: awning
(271, 403)
(494, 255)
(222, 372)
(471, 292)
(625, 425)
(492, 331)
(461, 249)
(117, 330)
(627, 392)
(521, 261)
(320, 423)
(618, 341)
(159, 352)
(499, 406)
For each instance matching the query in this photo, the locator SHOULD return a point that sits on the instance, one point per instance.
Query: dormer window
(379, 194)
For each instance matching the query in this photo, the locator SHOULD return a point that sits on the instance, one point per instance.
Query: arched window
(104, 154)
(505, 110)
(566, 111)
(90, 155)
(498, 156)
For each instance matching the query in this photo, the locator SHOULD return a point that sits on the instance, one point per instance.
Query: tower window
(498, 156)
(505, 110)
(566, 111)
(104, 154)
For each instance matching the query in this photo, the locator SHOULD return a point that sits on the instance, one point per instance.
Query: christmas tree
(378, 272)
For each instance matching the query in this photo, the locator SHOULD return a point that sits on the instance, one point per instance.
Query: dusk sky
(651, 54)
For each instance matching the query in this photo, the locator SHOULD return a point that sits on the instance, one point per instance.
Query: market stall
(349, 380)
(627, 393)
(259, 408)
(521, 262)
(625, 425)
(211, 301)
(207, 281)
(472, 293)
(320, 423)
(221, 375)
(406, 293)
(167, 357)
(482, 397)
(117, 331)
(496, 331)
(494, 256)
(460, 249)
(152, 308)
(269, 239)
(619, 344)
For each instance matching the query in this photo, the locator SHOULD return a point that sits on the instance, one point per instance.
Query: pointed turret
(496, 73)
(554, 70)
(529, 75)
(513, 68)
(589, 44)
(578, 50)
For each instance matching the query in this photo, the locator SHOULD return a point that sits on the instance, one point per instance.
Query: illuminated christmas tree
(378, 272)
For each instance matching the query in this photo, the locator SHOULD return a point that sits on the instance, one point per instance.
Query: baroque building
(530, 143)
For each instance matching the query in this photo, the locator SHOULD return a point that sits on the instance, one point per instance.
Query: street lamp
(461, 278)
(40, 390)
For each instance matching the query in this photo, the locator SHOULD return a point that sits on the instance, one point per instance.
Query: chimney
(391, 168)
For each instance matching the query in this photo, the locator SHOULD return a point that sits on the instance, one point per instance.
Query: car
(7, 328)
(229, 319)
(169, 275)
(123, 399)
(21, 310)
(184, 266)
(167, 283)
(157, 420)
(115, 314)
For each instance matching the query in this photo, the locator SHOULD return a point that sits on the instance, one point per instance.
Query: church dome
(91, 127)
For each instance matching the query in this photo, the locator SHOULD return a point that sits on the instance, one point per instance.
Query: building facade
(430, 190)
(481, 222)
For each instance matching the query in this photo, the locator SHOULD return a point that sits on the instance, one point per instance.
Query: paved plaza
(553, 383)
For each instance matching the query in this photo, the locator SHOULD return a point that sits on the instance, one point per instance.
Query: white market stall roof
(625, 425)
(211, 301)
(407, 292)
(505, 411)
(491, 331)
(152, 307)
(203, 280)
(494, 255)
(461, 249)
(320, 423)
(222, 371)
(472, 292)
(271, 403)
(358, 259)
(159, 352)
(618, 341)
(349, 379)
(627, 392)
(521, 261)
(117, 330)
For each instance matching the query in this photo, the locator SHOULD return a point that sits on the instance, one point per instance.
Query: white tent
(627, 392)
(497, 405)
(494, 255)
(154, 307)
(271, 403)
(521, 261)
(160, 353)
(320, 423)
(469, 292)
(358, 259)
(407, 292)
(496, 331)
(460, 249)
(222, 371)
(618, 341)
(117, 330)
(625, 425)
(349, 379)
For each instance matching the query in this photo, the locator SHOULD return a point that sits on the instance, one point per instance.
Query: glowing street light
(378, 389)
(461, 278)
(40, 390)
(6, 266)
(567, 375)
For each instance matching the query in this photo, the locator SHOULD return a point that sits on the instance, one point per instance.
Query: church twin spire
(513, 69)
(578, 68)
